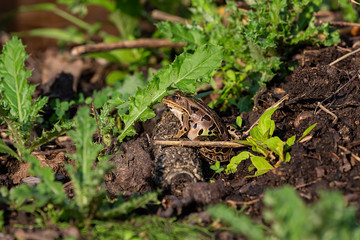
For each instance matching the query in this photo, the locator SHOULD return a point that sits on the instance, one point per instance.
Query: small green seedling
(217, 169)
(261, 141)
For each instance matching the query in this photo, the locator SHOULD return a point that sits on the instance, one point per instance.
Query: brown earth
(327, 159)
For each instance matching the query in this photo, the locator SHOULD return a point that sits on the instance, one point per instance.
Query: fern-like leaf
(48, 136)
(186, 73)
(86, 181)
(16, 91)
(6, 149)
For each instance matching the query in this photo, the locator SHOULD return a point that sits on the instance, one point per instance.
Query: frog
(200, 123)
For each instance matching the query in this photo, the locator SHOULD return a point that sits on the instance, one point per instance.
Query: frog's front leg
(184, 121)
(185, 126)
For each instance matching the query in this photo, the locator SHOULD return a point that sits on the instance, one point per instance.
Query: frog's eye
(175, 97)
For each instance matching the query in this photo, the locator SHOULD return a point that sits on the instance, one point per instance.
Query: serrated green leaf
(16, 91)
(185, 67)
(6, 149)
(238, 223)
(86, 181)
(48, 136)
(235, 161)
(178, 32)
(121, 207)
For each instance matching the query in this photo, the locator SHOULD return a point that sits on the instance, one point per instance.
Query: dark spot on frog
(194, 109)
(195, 126)
(200, 132)
(217, 158)
(221, 129)
(206, 117)
(212, 127)
(182, 118)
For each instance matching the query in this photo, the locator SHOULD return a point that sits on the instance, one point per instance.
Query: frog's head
(176, 100)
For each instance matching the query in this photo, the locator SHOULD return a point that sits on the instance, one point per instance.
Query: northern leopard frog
(200, 123)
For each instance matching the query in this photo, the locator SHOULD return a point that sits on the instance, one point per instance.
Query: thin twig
(271, 107)
(328, 111)
(163, 16)
(138, 43)
(345, 56)
(339, 89)
(355, 2)
(342, 24)
(352, 154)
(96, 119)
(222, 144)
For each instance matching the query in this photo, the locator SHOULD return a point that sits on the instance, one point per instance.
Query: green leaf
(287, 157)
(6, 149)
(48, 136)
(266, 126)
(185, 67)
(48, 187)
(236, 160)
(238, 121)
(306, 132)
(237, 223)
(86, 181)
(70, 34)
(16, 91)
(261, 164)
(178, 32)
(276, 145)
(122, 208)
(38, 7)
(289, 142)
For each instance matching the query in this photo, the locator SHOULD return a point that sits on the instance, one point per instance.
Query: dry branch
(163, 16)
(223, 144)
(138, 43)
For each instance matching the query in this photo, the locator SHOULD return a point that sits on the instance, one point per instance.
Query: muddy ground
(328, 159)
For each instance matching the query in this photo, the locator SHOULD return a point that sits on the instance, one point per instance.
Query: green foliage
(149, 227)
(17, 108)
(256, 42)
(2, 222)
(262, 141)
(48, 201)
(86, 182)
(347, 8)
(288, 217)
(237, 223)
(186, 73)
(122, 14)
(216, 168)
(47, 191)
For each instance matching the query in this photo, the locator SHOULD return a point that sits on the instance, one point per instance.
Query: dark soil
(327, 159)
